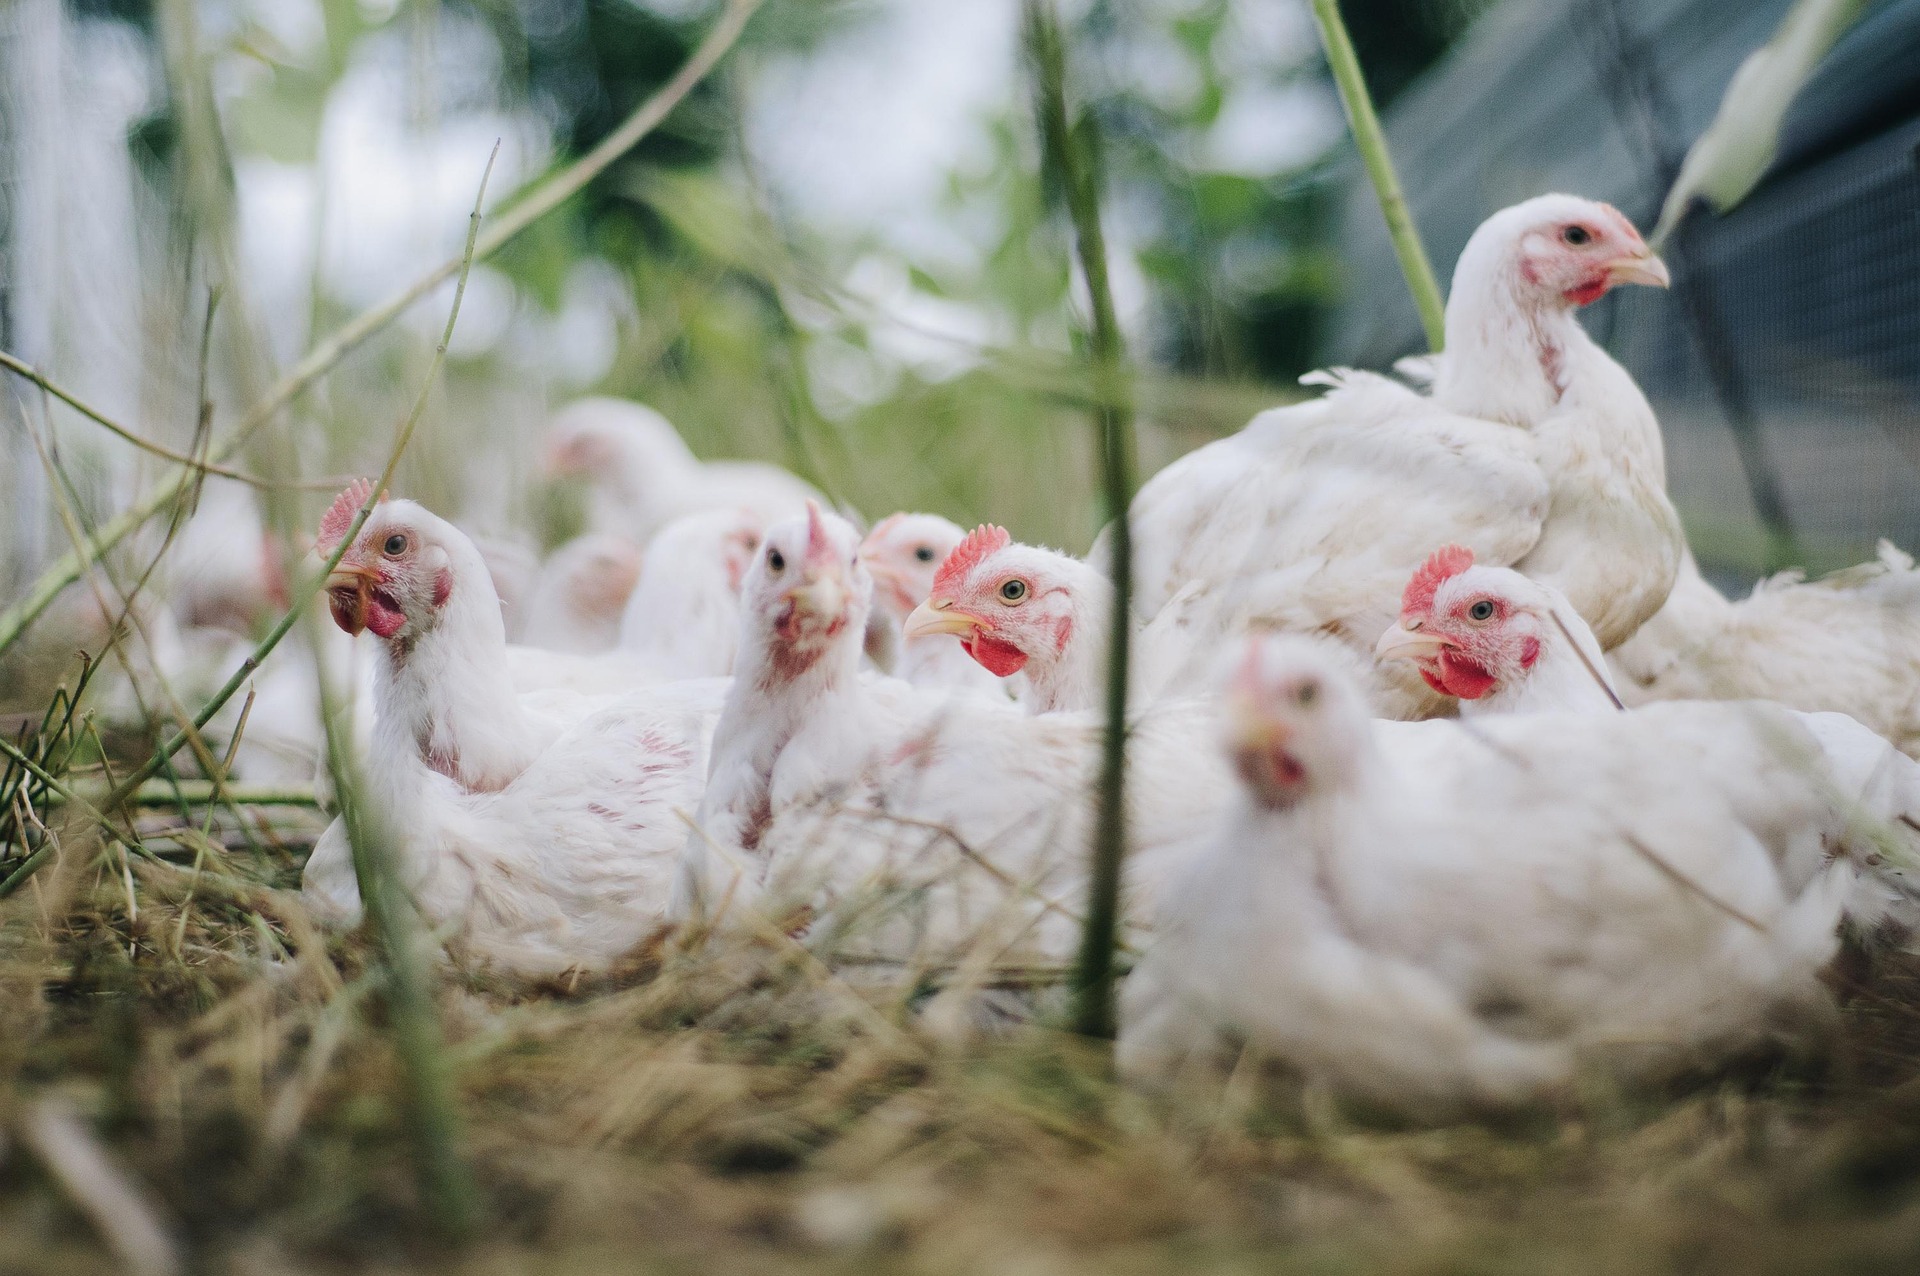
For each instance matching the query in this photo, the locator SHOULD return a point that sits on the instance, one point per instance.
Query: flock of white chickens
(1396, 814)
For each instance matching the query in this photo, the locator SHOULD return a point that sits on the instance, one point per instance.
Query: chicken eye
(1482, 610)
(924, 553)
(776, 561)
(1306, 694)
(1577, 235)
(1013, 591)
(396, 545)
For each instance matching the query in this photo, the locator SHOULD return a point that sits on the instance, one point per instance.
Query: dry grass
(740, 1110)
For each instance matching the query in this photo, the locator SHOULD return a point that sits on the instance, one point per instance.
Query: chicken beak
(348, 585)
(1640, 268)
(936, 616)
(822, 597)
(1401, 643)
(1249, 730)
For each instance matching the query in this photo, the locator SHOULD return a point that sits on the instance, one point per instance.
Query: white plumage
(1436, 912)
(541, 830)
(641, 475)
(1534, 449)
(580, 593)
(1506, 644)
(928, 822)
(683, 619)
(1849, 643)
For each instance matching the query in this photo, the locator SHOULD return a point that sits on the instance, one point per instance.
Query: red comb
(981, 541)
(339, 515)
(1443, 564)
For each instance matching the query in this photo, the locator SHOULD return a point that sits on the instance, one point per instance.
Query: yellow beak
(1647, 269)
(350, 576)
(1401, 643)
(935, 616)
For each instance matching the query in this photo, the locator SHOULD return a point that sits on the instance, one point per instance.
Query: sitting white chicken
(1496, 640)
(683, 619)
(1534, 449)
(904, 552)
(1505, 644)
(580, 593)
(541, 831)
(929, 822)
(642, 476)
(1849, 642)
(1023, 610)
(1433, 912)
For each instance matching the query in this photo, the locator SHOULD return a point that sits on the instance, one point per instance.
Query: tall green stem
(1071, 154)
(1372, 145)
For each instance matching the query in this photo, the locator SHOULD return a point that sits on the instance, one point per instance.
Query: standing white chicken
(904, 552)
(1849, 643)
(1430, 912)
(642, 476)
(542, 831)
(1534, 449)
(940, 821)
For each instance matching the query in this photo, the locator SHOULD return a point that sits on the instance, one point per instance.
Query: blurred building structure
(1785, 362)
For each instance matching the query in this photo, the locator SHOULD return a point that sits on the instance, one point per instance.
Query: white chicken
(513, 566)
(579, 594)
(931, 823)
(1534, 449)
(684, 616)
(1023, 610)
(641, 475)
(1431, 912)
(1496, 640)
(1505, 644)
(1849, 642)
(542, 832)
(903, 552)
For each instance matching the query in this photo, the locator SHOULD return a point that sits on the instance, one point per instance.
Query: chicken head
(1007, 603)
(903, 553)
(1296, 722)
(396, 577)
(1569, 251)
(807, 588)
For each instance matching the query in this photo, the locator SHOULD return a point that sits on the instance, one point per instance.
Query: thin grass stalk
(1371, 142)
(350, 335)
(433, 1112)
(446, 1183)
(1070, 154)
(161, 760)
(302, 595)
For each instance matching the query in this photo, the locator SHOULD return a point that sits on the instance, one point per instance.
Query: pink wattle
(382, 616)
(1001, 659)
(1461, 677)
(1587, 293)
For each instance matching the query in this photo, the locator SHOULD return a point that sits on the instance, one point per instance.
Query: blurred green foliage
(743, 328)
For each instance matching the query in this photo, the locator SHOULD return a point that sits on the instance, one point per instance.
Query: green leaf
(1728, 160)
